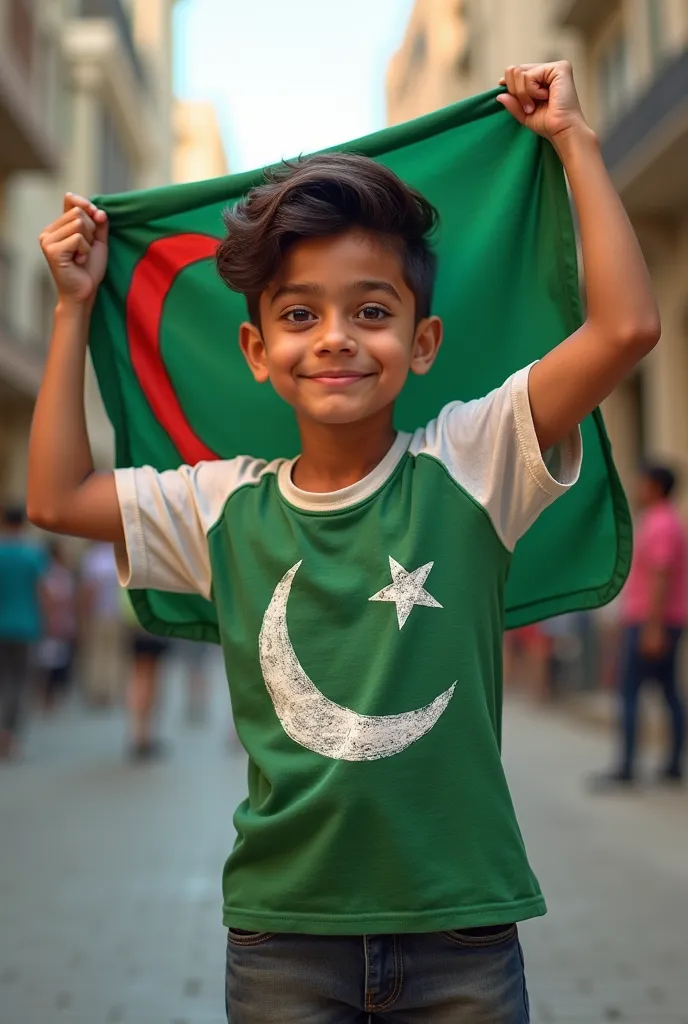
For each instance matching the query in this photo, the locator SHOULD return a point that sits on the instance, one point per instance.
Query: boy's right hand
(76, 248)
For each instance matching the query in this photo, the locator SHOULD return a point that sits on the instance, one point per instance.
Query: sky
(287, 76)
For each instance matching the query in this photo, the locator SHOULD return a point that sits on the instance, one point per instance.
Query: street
(110, 880)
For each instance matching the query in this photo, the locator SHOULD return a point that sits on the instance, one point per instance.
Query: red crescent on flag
(153, 277)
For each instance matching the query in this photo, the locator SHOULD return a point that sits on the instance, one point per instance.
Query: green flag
(164, 338)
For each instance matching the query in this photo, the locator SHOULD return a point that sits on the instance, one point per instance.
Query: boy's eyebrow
(306, 288)
(376, 286)
(296, 288)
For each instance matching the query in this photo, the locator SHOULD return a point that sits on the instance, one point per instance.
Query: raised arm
(64, 493)
(622, 323)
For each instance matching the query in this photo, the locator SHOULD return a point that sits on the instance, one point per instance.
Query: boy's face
(338, 329)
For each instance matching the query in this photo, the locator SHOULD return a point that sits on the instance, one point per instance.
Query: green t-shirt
(362, 635)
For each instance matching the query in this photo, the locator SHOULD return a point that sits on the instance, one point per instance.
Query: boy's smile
(338, 331)
(337, 378)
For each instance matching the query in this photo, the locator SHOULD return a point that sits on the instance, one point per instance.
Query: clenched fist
(543, 97)
(76, 249)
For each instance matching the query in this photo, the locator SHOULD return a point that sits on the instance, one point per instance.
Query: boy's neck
(334, 456)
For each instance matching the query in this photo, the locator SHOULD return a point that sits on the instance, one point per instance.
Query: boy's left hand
(542, 97)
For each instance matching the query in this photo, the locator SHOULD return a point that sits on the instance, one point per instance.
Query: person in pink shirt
(654, 613)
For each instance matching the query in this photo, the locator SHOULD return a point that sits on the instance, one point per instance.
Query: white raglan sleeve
(166, 518)
(490, 448)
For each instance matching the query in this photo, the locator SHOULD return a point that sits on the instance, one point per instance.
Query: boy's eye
(299, 316)
(373, 313)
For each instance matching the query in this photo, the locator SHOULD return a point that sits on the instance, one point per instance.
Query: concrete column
(83, 175)
(5, 445)
(676, 13)
(639, 48)
(153, 33)
(14, 446)
(621, 418)
(17, 463)
(667, 366)
(82, 164)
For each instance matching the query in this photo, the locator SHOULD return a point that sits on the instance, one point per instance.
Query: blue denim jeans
(638, 670)
(457, 977)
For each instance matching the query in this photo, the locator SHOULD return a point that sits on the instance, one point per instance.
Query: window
(612, 78)
(21, 33)
(116, 172)
(5, 281)
(467, 30)
(639, 408)
(419, 49)
(46, 297)
(417, 57)
(656, 23)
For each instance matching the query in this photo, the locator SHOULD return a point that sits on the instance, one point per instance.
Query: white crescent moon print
(317, 723)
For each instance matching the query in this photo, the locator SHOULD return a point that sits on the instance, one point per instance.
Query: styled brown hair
(317, 196)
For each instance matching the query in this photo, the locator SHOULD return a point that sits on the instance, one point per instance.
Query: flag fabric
(164, 339)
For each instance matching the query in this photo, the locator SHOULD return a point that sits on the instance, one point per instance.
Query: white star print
(407, 590)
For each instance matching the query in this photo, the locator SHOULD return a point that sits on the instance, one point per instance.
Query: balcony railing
(21, 363)
(664, 99)
(21, 29)
(5, 280)
(114, 10)
(26, 136)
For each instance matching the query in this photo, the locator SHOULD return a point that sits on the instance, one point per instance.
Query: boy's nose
(335, 339)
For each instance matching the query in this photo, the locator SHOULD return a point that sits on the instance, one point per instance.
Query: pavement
(600, 708)
(110, 874)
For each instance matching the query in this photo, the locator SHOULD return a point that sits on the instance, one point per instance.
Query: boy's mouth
(337, 378)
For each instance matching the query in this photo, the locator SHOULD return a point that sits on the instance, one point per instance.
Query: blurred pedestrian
(104, 666)
(193, 657)
(527, 661)
(22, 566)
(654, 614)
(57, 648)
(146, 652)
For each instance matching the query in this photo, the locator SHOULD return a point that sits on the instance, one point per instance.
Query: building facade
(91, 114)
(456, 48)
(29, 144)
(630, 60)
(636, 71)
(198, 152)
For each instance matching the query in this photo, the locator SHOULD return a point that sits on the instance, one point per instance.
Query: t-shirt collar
(328, 501)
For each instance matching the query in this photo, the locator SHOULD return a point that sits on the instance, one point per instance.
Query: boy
(378, 872)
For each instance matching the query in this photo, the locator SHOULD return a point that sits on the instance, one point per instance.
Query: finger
(60, 232)
(522, 91)
(71, 200)
(66, 251)
(513, 106)
(102, 226)
(523, 67)
(75, 220)
(84, 251)
(535, 82)
(57, 234)
(509, 80)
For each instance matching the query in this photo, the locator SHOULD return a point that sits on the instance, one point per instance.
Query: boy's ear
(252, 345)
(426, 344)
